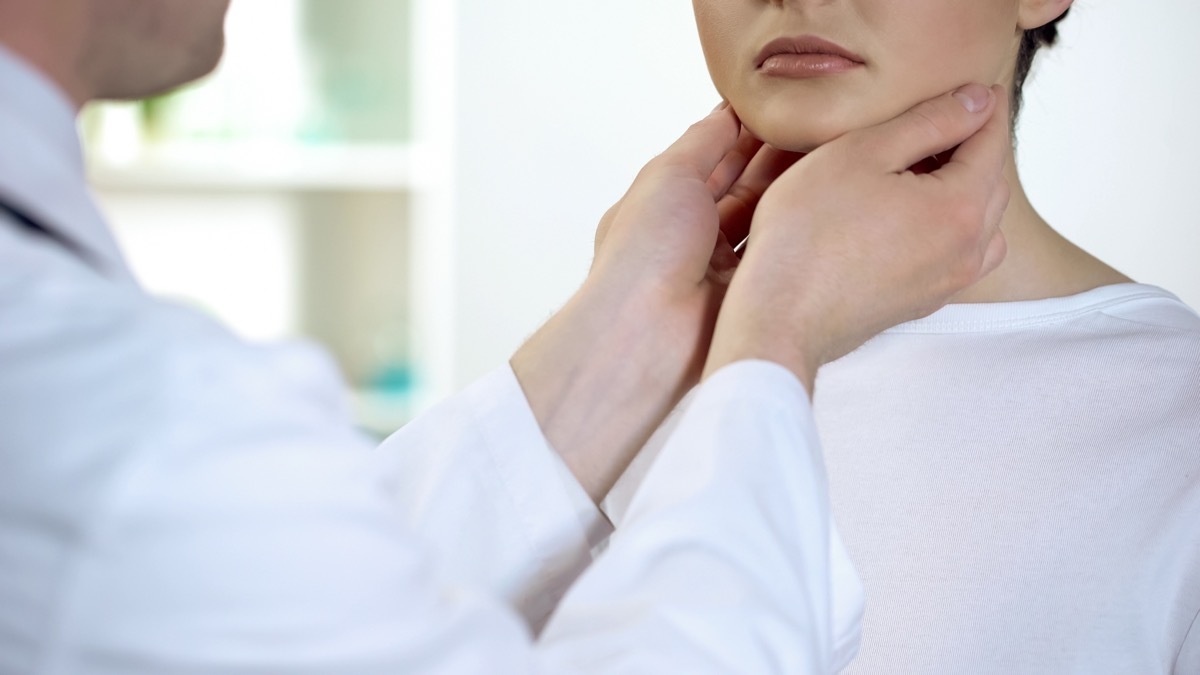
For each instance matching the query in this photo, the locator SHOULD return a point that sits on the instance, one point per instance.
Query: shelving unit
(345, 241)
(266, 167)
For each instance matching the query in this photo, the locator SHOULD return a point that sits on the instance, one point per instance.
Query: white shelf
(242, 167)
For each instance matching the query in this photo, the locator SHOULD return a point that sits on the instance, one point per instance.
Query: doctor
(174, 500)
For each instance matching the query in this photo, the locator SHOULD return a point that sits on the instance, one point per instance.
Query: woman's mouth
(805, 56)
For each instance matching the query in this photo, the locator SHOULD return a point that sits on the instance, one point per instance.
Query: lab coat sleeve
(266, 540)
(1188, 660)
(722, 563)
(477, 480)
(210, 511)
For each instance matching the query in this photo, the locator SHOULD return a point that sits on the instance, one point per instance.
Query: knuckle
(1003, 193)
(973, 262)
(653, 169)
(605, 225)
(701, 128)
(965, 273)
(694, 129)
(967, 214)
(932, 121)
(742, 196)
(864, 143)
(654, 165)
(611, 213)
(999, 245)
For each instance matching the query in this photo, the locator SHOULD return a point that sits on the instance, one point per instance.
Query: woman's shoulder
(1153, 307)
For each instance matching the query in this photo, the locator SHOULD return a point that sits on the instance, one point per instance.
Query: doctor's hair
(1033, 40)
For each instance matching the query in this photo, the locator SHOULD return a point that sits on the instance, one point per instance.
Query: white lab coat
(175, 500)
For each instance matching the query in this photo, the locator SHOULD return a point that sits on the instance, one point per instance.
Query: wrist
(602, 374)
(643, 334)
(759, 332)
(729, 352)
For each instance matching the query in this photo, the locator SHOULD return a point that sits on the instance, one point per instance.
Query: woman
(1017, 477)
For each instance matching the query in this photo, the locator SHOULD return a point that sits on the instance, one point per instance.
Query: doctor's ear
(1037, 13)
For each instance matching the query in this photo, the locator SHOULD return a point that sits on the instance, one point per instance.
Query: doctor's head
(802, 72)
(116, 49)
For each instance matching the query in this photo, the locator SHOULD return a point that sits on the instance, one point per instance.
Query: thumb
(930, 128)
(705, 144)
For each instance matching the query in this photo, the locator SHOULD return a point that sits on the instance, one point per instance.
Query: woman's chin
(791, 138)
(794, 133)
(799, 124)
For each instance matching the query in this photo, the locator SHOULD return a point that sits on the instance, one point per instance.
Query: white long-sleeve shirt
(175, 500)
(1018, 485)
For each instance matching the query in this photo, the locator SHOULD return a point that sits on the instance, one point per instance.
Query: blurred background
(415, 183)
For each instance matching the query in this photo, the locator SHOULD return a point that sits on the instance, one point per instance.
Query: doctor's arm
(529, 445)
(723, 560)
(253, 534)
(663, 266)
(536, 444)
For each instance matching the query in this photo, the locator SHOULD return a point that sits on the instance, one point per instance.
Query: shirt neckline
(41, 105)
(997, 316)
(42, 171)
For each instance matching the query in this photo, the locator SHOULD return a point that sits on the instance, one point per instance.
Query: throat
(1041, 263)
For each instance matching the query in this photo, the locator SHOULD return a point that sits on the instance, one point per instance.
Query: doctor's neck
(115, 49)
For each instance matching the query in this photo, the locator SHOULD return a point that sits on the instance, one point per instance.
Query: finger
(704, 145)
(983, 156)
(995, 245)
(997, 205)
(605, 225)
(724, 262)
(929, 128)
(736, 208)
(996, 251)
(732, 166)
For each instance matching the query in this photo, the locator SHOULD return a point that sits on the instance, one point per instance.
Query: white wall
(1110, 142)
(559, 103)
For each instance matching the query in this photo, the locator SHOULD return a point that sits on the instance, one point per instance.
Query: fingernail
(721, 106)
(974, 97)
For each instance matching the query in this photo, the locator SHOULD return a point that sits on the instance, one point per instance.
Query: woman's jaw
(802, 114)
(801, 75)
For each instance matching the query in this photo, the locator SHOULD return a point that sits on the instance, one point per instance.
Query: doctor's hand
(848, 242)
(605, 371)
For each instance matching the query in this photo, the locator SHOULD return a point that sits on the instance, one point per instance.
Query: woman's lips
(805, 56)
(806, 65)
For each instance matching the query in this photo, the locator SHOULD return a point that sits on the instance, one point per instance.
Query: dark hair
(1031, 42)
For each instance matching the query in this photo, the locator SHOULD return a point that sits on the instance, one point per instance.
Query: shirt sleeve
(1188, 660)
(723, 561)
(209, 510)
(477, 480)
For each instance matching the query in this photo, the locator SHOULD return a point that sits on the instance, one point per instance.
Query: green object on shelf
(394, 379)
(311, 71)
(361, 63)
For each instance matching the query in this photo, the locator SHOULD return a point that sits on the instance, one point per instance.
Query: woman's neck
(1041, 263)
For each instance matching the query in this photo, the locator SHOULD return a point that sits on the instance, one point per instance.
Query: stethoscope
(33, 226)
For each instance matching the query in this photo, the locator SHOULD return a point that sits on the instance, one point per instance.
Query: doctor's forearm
(602, 374)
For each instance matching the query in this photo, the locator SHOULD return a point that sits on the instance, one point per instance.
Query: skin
(116, 49)
(651, 318)
(912, 50)
(666, 295)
